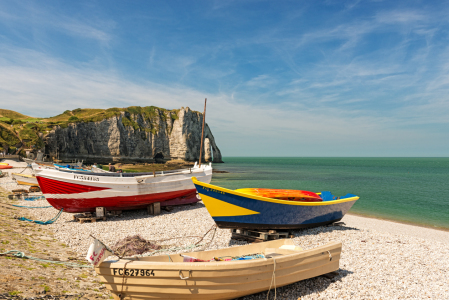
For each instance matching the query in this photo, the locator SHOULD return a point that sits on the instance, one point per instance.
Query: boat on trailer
(78, 191)
(217, 274)
(236, 209)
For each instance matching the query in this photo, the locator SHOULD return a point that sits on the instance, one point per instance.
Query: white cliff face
(135, 137)
(185, 138)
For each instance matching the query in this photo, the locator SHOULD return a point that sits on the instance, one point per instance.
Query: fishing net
(134, 245)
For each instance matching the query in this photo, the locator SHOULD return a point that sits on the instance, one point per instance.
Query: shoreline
(396, 228)
(444, 229)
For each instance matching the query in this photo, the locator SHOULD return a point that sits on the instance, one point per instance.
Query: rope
(41, 222)
(28, 166)
(34, 198)
(20, 254)
(273, 278)
(32, 206)
(121, 296)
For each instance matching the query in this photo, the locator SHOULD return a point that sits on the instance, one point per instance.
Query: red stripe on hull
(51, 186)
(79, 205)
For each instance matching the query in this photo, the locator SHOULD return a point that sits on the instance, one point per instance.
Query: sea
(406, 190)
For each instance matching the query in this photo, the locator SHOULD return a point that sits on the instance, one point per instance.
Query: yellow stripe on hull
(218, 208)
(26, 183)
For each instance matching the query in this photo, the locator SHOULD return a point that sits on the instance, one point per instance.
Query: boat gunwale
(118, 181)
(24, 175)
(264, 199)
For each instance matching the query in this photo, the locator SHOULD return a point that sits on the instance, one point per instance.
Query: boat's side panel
(215, 280)
(75, 205)
(82, 193)
(269, 214)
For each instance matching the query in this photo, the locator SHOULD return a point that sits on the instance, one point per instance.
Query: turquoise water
(413, 190)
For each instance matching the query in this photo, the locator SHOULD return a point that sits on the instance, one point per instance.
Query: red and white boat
(82, 192)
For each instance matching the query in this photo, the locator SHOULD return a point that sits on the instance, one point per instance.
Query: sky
(282, 78)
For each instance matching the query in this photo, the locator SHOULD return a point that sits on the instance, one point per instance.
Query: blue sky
(282, 78)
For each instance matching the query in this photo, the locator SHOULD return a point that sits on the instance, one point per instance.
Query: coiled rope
(20, 254)
(41, 222)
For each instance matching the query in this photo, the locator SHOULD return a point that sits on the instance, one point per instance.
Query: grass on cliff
(7, 137)
(143, 120)
(12, 114)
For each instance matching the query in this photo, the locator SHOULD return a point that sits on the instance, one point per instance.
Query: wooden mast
(202, 131)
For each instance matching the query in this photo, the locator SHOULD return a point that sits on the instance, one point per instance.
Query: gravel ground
(380, 259)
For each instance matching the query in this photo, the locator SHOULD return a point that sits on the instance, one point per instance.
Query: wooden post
(154, 208)
(202, 132)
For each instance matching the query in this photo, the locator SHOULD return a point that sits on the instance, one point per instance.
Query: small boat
(4, 167)
(4, 164)
(70, 168)
(217, 274)
(37, 167)
(234, 209)
(78, 191)
(25, 179)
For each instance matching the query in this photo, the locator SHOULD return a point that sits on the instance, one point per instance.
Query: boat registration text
(84, 177)
(133, 272)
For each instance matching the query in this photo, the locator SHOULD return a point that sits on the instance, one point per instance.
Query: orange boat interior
(292, 195)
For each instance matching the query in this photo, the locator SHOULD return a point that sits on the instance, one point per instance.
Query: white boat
(76, 191)
(25, 179)
(39, 167)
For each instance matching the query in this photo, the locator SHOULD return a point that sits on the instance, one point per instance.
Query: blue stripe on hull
(278, 214)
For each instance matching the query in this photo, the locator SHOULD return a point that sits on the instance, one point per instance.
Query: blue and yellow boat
(235, 209)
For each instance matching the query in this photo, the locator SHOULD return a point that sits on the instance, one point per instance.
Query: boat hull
(76, 192)
(231, 209)
(159, 277)
(25, 179)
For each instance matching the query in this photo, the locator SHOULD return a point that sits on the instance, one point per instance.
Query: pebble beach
(380, 259)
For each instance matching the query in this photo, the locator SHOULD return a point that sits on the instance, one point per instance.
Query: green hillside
(12, 114)
(14, 125)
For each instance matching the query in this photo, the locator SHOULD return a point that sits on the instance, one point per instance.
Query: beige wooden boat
(168, 277)
(25, 179)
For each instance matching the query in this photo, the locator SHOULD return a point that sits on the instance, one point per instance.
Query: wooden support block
(100, 212)
(263, 236)
(154, 208)
(157, 208)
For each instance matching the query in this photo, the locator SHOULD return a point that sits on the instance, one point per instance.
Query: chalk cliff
(138, 135)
